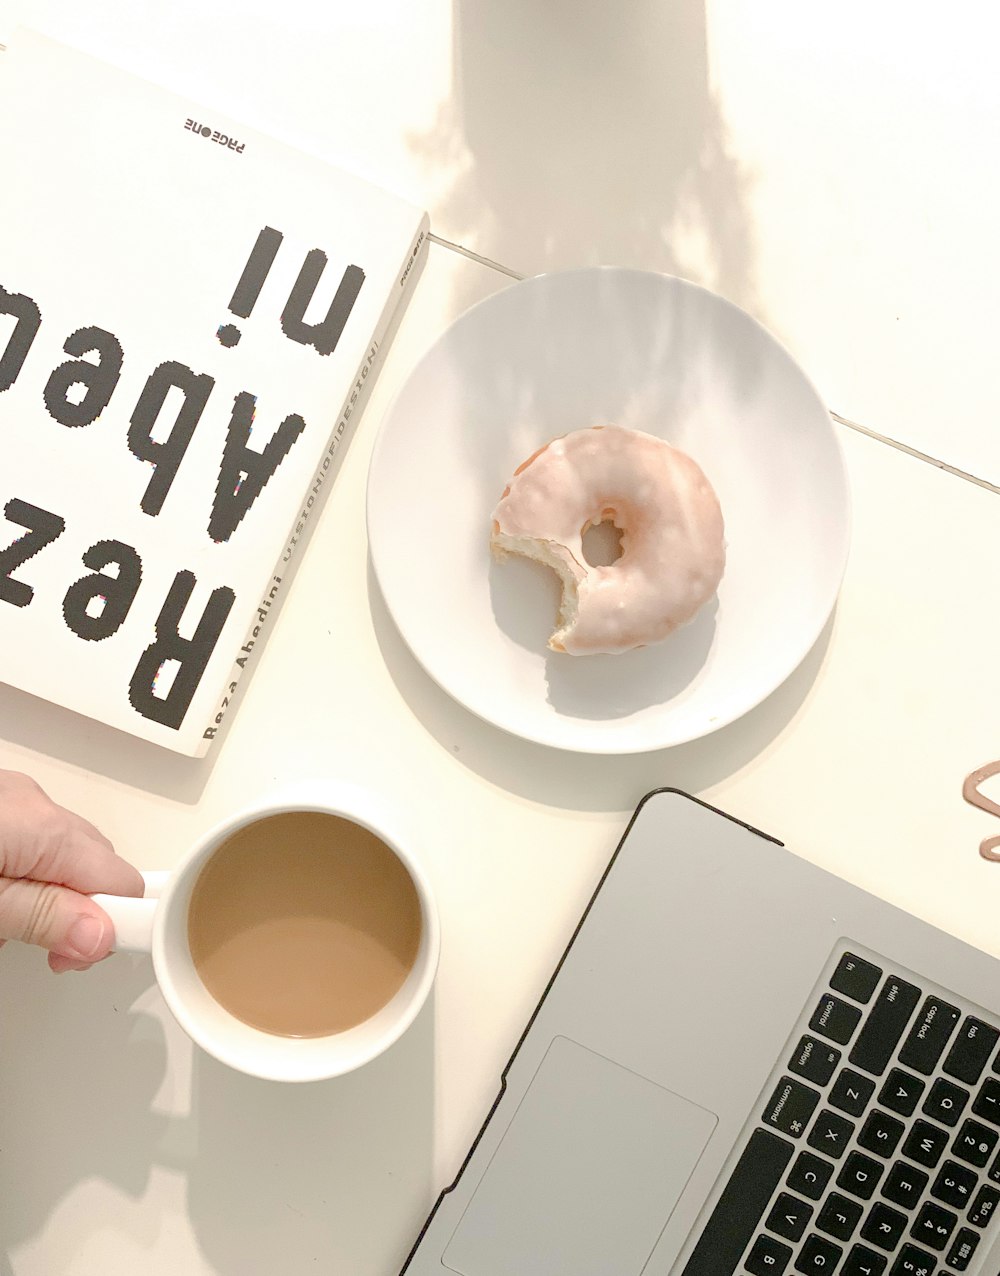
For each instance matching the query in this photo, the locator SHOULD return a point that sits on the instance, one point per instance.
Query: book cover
(190, 314)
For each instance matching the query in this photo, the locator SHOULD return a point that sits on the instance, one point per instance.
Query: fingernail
(86, 936)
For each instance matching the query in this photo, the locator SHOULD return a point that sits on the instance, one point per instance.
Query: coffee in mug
(303, 924)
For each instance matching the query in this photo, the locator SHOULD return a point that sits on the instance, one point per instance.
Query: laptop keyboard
(877, 1149)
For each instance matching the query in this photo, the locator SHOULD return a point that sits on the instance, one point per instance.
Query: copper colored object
(989, 848)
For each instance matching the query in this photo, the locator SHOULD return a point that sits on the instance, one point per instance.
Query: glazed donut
(672, 548)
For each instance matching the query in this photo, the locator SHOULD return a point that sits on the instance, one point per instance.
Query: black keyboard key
(901, 1092)
(925, 1144)
(984, 1206)
(791, 1106)
(881, 1133)
(835, 1019)
(914, 1262)
(839, 1217)
(955, 1185)
(768, 1257)
(862, 1261)
(904, 1185)
(933, 1226)
(818, 1257)
(789, 1217)
(815, 1060)
(963, 1249)
(810, 1175)
(884, 1227)
(737, 1215)
(946, 1102)
(830, 1134)
(855, 978)
(994, 1173)
(851, 1092)
(886, 1023)
(975, 1143)
(971, 1050)
(929, 1035)
(987, 1104)
(860, 1175)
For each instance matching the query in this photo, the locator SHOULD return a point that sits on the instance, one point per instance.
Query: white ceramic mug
(158, 924)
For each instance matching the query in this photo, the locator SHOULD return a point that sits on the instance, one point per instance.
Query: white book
(190, 315)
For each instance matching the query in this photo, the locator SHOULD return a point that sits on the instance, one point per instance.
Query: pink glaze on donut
(672, 547)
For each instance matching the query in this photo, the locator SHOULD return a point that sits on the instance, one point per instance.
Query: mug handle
(133, 918)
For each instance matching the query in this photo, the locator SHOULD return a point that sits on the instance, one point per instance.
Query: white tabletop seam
(477, 257)
(490, 264)
(916, 453)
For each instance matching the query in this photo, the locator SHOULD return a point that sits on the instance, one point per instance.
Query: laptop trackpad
(586, 1175)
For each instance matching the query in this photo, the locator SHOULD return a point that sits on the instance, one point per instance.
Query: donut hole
(602, 543)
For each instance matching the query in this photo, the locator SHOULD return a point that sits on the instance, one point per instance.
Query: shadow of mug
(276, 1177)
(280, 1177)
(72, 1115)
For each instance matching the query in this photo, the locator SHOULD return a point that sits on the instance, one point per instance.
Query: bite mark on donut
(550, 555)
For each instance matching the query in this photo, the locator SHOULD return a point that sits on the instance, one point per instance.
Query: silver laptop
(742, 1065)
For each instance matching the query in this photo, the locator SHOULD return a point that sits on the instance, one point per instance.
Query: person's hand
(50, 862)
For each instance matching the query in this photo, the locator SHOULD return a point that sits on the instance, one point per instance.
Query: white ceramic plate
(582, 348)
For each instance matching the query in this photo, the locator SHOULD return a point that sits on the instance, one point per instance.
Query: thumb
(56, 918)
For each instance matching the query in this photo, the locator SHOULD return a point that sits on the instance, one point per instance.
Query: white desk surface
(833, 176)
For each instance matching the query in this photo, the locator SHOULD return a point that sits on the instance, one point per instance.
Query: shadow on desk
(578, 781)
(49, 729)
(283, 1176)
(585, 133)
(107, 1105)
(81, 1059)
